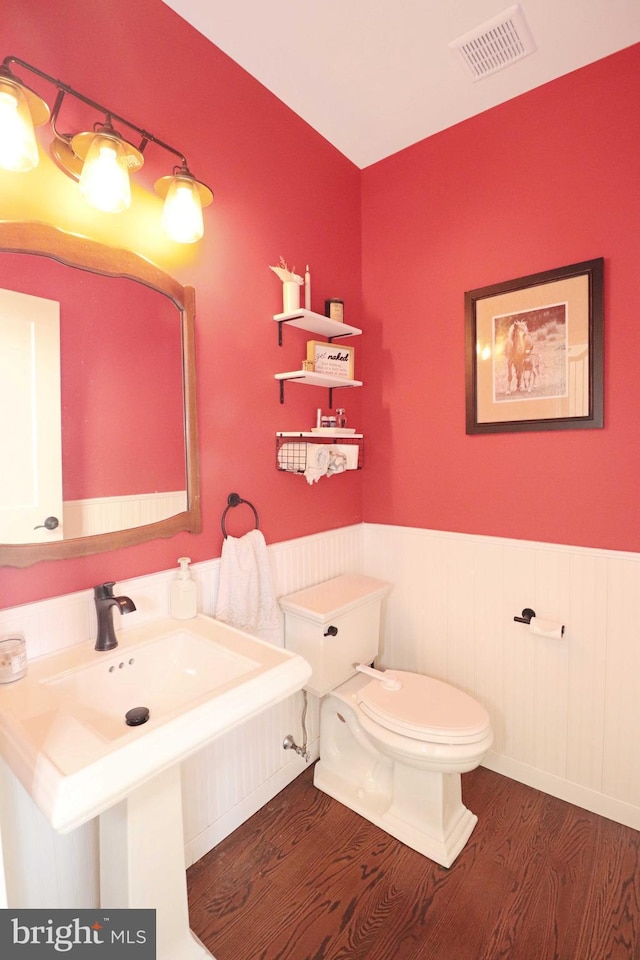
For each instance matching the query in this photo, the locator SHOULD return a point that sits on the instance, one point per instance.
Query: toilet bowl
(424, 722)
(393, 744)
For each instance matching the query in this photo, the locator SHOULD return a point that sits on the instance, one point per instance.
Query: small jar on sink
(13, 659)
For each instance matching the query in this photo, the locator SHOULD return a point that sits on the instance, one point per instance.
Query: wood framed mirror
(127, 425)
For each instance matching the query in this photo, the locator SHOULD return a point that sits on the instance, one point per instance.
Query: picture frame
(534, 352)
(331, 359)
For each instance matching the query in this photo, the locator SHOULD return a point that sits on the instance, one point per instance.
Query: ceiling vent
(495, 44)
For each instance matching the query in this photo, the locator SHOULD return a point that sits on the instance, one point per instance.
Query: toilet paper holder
(545, 628)
(527, 614)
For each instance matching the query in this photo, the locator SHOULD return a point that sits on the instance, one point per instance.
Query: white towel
(350, 453)
(292, 457)
(246, 598)
(317, 461)
(337, 461)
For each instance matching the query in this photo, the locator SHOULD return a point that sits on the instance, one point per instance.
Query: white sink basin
(63, 730)
(170, 673)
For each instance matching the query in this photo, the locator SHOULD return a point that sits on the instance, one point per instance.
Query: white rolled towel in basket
(349, 452)
(290, 457)
(337, 461)
(317, 461)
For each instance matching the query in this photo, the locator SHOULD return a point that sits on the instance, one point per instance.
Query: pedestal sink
(64, 733)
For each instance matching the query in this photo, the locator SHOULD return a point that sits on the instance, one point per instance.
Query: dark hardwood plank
(307, 879)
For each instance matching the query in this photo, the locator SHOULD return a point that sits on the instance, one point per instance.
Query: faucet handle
(104, 590)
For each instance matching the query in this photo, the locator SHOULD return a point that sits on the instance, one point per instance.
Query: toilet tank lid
(334, 597)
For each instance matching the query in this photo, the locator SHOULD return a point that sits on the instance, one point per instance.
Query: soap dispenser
(184, 601)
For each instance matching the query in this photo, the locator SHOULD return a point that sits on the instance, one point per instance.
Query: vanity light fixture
(100, 159)
(184, 199)
(106, 160)
(20, 110)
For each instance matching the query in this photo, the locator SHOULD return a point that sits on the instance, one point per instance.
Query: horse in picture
(531, 370)
(518, 351)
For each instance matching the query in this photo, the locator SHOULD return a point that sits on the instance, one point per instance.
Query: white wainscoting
(84, 518)
(564, 712)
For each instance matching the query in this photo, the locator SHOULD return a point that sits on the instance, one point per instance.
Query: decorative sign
(331, 359)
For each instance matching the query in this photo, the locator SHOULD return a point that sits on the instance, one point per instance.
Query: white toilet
(392, 744)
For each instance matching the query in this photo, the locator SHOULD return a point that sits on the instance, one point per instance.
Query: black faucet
(105, 600)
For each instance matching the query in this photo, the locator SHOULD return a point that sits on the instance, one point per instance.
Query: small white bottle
(184, 597)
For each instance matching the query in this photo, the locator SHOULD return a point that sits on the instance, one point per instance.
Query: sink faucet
(105, 600)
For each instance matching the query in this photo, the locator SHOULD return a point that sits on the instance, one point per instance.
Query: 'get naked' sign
(332, 360)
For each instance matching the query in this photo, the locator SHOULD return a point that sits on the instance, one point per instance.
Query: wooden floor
(307, 879)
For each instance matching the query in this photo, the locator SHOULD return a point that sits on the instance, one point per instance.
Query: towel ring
(234, 500)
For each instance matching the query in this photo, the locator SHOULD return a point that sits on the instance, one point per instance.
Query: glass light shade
(18, 146)
(182, 213)
(104, 180)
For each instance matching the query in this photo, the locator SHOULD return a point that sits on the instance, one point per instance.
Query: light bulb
(18, 146)
(104, 180)
(182, 213)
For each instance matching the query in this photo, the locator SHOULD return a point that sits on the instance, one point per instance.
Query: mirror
(127, 392)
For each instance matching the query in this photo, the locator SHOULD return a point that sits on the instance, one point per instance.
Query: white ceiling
(374, 76)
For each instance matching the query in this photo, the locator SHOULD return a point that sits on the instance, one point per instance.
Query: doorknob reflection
(50, 523)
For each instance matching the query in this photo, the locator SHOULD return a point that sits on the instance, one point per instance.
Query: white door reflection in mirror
(30, 419)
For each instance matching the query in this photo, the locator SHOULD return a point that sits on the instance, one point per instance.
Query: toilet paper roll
(546, 628)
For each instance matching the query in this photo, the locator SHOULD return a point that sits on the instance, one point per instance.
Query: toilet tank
(334, 625)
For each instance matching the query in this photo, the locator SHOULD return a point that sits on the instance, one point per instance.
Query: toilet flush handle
(388, 681)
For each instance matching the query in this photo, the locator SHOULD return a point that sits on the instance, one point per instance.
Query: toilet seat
(425, 709)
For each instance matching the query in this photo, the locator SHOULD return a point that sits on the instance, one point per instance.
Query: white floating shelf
(314, 380)
(320, 436)
(317, 379)
(317, 323)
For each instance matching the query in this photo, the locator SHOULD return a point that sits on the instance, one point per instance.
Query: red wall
(280, 190)
(545, 180)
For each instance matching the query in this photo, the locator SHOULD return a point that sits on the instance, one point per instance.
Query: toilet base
(439, 833)
(418, 803)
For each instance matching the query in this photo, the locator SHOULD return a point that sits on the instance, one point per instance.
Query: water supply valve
(289, 744)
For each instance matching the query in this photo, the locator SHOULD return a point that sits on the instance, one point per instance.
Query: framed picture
(534, 352)
(331, 359)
